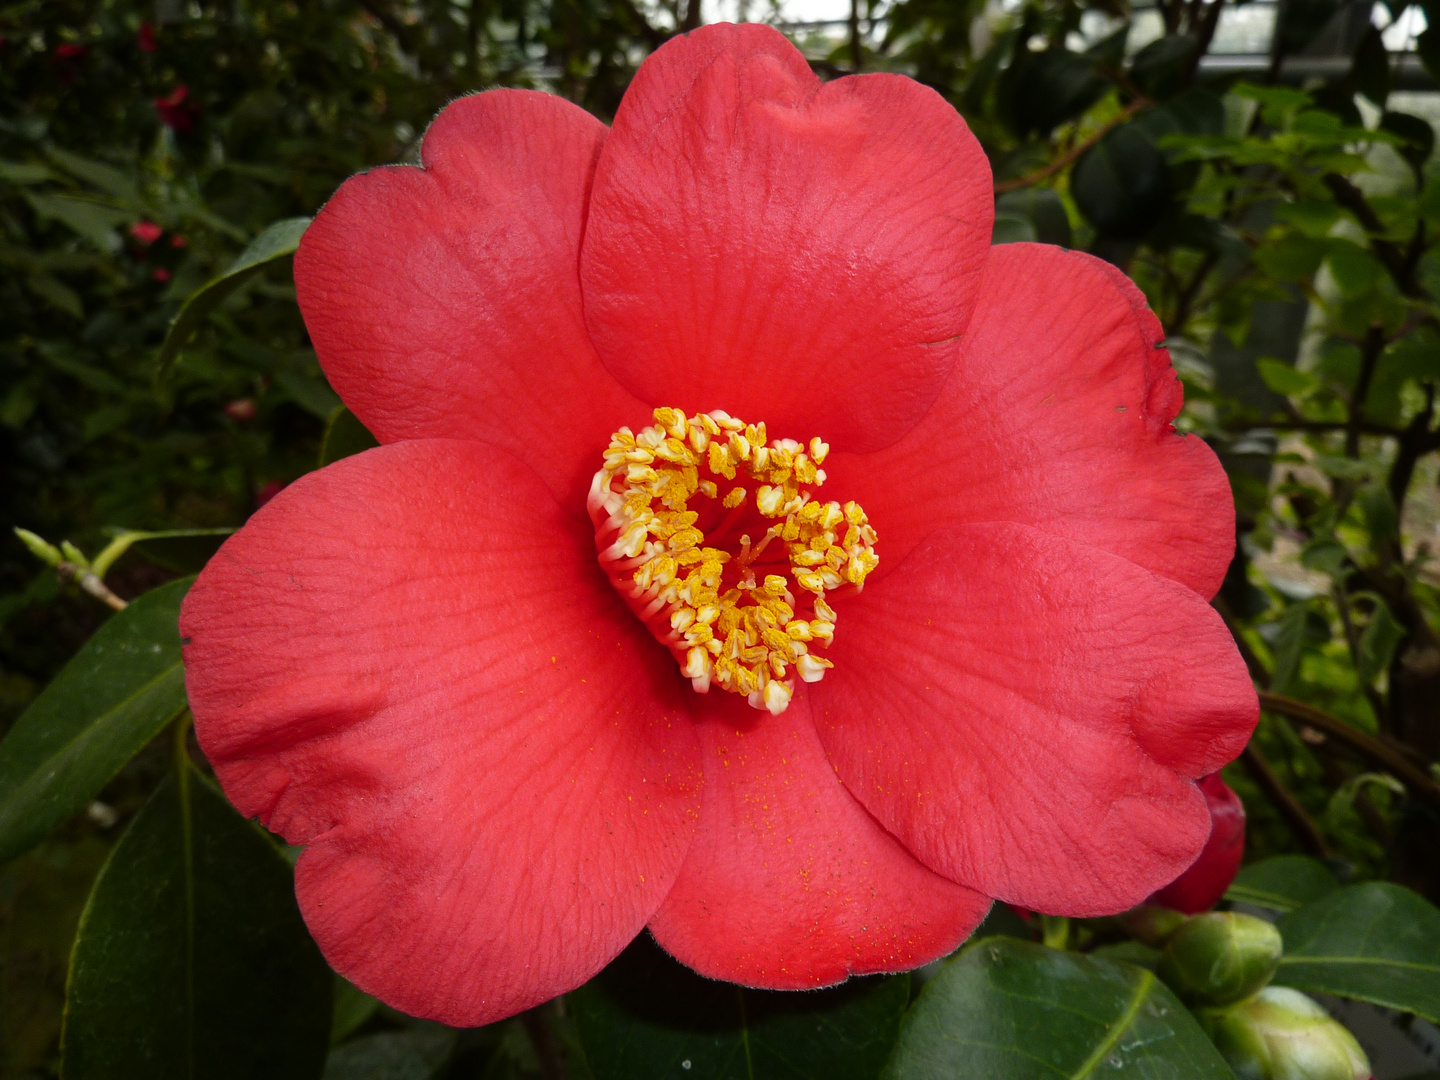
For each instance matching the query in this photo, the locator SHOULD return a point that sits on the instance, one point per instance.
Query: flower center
(711, 536)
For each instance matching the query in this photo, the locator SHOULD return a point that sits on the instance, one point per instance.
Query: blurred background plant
(1263, 170)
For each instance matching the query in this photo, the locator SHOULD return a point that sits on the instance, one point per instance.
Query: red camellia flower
(752, 346)
(1201, 887)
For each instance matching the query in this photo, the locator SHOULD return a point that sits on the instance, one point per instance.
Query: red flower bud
(241, 410)
(176, 112)
(160, 274)
(146, 37)
(178, 241)
(69, 50)
(267, 492)
(1200, 887)
(147, 232)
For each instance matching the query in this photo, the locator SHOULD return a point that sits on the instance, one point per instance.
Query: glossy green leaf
(1377, 942)
(1282, 883)
(344, 436)
(1008, 1010)
(277, 242)
(116, 694)
(645, 1017)
(1122, 184)
(1042, 209)
(191, 960)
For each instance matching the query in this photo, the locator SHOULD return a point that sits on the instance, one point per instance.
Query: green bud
(1220, 957)
(1152, 924)
(74, 555)
(1280, 1034)
(47, 553)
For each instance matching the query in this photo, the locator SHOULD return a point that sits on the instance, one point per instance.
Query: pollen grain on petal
(734, 585)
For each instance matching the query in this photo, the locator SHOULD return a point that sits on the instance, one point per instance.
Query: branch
(1300, 822)
(1412, 776)
(1353, 199)
(1369, 356)
(91, 583)
(1067, 158)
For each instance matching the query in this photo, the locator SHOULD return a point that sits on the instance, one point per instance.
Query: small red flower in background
(69, 50)
(176, 110)
(146, 38)
(1201, 887)
(160, 274)
(147, 232)
(411, 663)
(178, 240)
(242, 410)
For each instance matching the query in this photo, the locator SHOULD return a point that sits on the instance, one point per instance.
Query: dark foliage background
(1281, 215)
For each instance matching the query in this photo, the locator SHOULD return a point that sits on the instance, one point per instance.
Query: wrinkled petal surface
(789, 883)
(444, 301)
(780, 248)
(1025, 713)
(1057, 415)
(409, 662)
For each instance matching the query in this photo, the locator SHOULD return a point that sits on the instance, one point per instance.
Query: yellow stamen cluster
(745, 635)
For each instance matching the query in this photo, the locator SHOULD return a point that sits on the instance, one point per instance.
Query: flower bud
(1152, 925)
(1201, 887)
(1281, 1034)
(1220, 957)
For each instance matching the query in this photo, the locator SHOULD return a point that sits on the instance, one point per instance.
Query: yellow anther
(704, 602)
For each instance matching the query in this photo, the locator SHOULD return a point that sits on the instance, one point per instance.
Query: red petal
(1016, 708)
(1058, 416)
(444, 302)
(766, 244)
(789, 883)
(1201, 887)
(410, 662)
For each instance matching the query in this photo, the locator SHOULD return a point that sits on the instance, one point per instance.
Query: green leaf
(646, 1017)
(1009, 1010)
(191, 960)
(278, 241)
(24, 172)
(352, 1008)
(1379, 641)
(1377, 942)
(344, 436)
(1354, 269)
(1291, 258)
(94, 221)
(1122, 183)
(1041, 209)
(1285, 378)
(1313, 217)
(182, 550)
(117, 693)
(392, 1055)
(1282, 883)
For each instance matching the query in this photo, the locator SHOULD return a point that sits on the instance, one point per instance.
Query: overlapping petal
(1024, 712)
(444, 302)
(1057, 415)
(409, 662)
(789, 883)
(781, 248)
